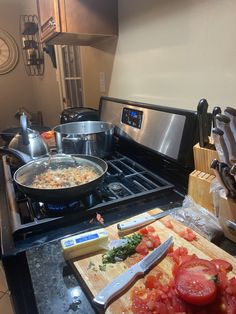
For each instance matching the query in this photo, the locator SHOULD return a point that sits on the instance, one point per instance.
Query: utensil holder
(227, 217)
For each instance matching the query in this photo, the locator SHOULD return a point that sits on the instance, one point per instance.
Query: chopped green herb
(102, 267)
(122, 252)
(91, 264)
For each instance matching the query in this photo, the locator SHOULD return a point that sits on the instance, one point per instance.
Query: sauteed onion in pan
(60, 178)
(63, 178)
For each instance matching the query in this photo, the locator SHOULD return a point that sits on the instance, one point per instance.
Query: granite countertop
(55, 285)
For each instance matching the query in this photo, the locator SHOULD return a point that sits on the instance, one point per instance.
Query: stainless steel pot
(94, 138)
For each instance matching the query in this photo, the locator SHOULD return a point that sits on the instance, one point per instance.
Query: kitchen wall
(175, 52)
(168, 52)
(97, 60)
(17, 89)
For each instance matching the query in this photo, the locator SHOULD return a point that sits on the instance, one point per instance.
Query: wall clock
(9, 54)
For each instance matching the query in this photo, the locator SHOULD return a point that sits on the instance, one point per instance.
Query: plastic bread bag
(199, 219)
(217, 192)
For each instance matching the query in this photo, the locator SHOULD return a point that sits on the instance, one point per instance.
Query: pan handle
(22, 157)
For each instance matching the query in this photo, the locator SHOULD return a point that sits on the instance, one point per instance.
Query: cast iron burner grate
(124, 182)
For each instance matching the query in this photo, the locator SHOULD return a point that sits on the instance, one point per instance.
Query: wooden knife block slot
(199, 189)
(227, 211)
(203, 158)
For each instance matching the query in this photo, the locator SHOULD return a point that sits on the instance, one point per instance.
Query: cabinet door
(49, 18)
(90, 17)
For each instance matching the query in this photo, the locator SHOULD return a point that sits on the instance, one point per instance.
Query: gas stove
(148, 168)
(124, 181)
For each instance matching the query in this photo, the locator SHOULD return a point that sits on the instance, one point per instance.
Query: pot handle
(23, 123)
(22, 157)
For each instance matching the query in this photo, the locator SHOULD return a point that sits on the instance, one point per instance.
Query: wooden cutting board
(93, 279)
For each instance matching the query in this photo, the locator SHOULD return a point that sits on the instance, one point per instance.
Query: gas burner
(115, 187)
(118, 189)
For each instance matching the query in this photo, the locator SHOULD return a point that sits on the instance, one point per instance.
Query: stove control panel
(132, 117)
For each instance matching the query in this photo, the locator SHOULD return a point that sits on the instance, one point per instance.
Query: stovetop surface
(129, 188)
(124, 181)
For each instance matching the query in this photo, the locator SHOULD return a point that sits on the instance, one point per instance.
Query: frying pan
(25, 175)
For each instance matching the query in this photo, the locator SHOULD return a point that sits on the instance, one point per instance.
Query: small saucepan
(60, 179)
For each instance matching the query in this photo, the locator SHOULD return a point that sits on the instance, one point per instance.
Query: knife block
(199, 189)
(203, 157)
(227, 211)
(200, 179)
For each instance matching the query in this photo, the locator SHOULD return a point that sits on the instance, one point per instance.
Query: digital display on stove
(132, 117)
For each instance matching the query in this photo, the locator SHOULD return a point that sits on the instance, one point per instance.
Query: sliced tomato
(141, 248)
(100, 218)
(222, 264)
(48, 135)
(195, 288)
(150, 282)
(199, 266)
(143, 231)
(231, 289)
(151, 229)
(187, 234)
(148, 243)
(178, 253)
(168, 224)
(154, 238)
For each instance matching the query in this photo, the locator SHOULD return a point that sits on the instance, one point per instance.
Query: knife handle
(203, 122)
(220, 145)
(139, 222)
(117, 285)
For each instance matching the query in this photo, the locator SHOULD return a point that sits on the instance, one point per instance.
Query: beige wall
(17, 89)
(175, 52)
(94, 60)
(168, 52)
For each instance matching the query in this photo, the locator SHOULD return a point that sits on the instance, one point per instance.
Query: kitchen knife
(126, 278)
(229, 181)
(233, 170)
(214, 166)
(231, 113)
(218, 138)
(216, 110)
(142, 221)
(231, 225)
(203, 122)
(223, 124)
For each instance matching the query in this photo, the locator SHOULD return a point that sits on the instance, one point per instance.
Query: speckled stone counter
(56, 289)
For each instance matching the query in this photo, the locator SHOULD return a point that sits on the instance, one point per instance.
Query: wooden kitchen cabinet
(77, 22)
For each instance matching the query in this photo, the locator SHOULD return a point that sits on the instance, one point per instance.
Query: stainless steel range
(148, 167)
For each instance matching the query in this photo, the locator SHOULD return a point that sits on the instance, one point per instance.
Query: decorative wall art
(9, 54)
(32, 50)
